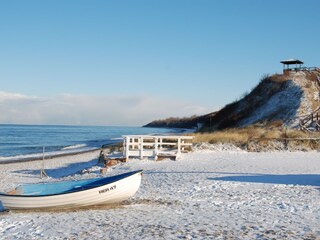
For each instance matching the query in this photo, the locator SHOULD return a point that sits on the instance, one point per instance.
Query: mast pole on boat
(42, 172)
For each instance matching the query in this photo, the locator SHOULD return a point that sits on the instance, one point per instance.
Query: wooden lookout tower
(287, 65)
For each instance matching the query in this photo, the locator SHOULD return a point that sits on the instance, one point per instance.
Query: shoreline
(52, 155)
(31, 159)
(59, 155)
(60, 140)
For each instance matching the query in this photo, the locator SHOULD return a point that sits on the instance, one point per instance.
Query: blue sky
(129, 62)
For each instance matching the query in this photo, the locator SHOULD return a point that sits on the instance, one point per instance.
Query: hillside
(281, 98)
(186, 122)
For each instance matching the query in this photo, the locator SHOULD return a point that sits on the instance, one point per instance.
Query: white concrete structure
(155, 146)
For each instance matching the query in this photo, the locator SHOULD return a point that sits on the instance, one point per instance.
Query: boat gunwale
(129, 174)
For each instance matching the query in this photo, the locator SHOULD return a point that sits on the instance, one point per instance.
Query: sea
(31, 141)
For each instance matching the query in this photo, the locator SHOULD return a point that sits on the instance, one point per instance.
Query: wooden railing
(155, 146)
(296, 69)
(310, 122)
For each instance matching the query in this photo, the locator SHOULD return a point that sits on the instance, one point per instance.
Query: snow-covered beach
(207, 194)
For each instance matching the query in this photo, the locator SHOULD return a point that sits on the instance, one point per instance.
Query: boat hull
(110, 193)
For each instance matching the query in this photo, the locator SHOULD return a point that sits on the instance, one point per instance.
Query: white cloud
(16, 97)
(91, 110)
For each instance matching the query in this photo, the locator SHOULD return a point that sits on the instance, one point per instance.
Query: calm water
(28, 140)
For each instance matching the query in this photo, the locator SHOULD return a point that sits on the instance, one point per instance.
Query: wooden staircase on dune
(311, 122)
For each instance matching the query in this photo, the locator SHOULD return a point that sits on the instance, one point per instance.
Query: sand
(207, 194)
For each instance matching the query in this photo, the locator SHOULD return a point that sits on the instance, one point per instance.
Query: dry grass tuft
(278, 78)
(238, 136)
(221, 136)
(263, 134)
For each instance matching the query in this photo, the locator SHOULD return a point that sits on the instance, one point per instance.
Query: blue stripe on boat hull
(64, 187)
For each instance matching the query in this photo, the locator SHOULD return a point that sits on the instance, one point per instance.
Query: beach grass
(273, 132)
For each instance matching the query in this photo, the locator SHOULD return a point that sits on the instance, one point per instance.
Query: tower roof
(292, 61)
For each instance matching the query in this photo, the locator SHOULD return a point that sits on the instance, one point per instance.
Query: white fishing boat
(72, 194)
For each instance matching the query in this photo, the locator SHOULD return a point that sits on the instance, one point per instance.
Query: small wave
(46, 155)
(19, 157)
(74, 146)
(116, 139)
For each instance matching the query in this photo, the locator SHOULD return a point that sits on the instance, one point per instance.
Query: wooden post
(182, 146)
(156, 150)
(160, 145)
(179, 147)
(286, 144)
(133, 141)
(141, 147)
(126, 147)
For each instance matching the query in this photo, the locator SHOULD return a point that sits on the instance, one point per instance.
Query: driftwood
(104, 170)
(112, 161)
(12, 192)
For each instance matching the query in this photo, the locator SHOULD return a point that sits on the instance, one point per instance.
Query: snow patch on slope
(292, 102)
(282, 105)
